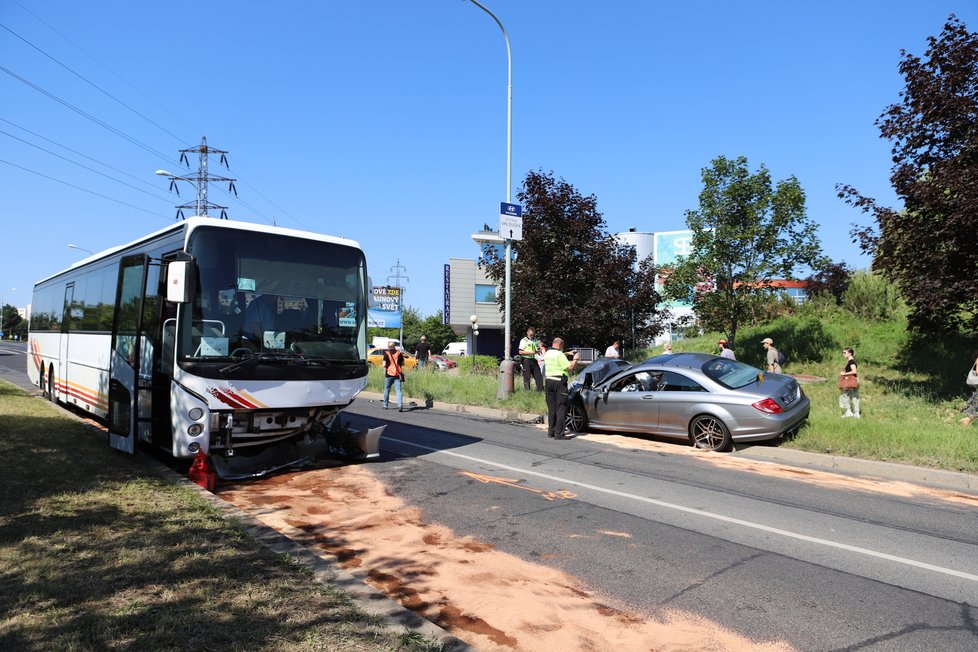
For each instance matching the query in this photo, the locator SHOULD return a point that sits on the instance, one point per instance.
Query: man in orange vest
(393, 373)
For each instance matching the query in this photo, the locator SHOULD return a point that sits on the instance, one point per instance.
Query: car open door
(629, 403)
(125, 355)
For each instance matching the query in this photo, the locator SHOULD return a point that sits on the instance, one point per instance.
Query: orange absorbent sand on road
(493, 600)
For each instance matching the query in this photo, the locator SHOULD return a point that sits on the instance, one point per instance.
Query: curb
(939, 478)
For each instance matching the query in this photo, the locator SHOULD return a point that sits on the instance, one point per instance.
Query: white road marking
(700, 512)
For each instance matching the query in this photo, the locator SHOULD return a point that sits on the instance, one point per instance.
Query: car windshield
(730, 373)
(267, 293)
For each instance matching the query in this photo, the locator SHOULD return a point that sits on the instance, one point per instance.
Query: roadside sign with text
(510, 221)
(385, 307)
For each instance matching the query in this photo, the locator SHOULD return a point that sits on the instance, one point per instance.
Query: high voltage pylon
(200, 180)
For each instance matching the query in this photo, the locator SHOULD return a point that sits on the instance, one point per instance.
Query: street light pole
(74, 246)
(191, 180)
(506, 368)
(474, 319)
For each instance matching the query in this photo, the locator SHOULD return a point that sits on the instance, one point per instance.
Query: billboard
(668, 247)
(385, 307)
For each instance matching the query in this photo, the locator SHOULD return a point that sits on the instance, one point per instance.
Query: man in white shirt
(529, 348)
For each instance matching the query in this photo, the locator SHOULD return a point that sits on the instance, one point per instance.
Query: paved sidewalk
(765, 452)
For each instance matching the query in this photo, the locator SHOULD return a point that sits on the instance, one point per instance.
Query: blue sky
(385, 121)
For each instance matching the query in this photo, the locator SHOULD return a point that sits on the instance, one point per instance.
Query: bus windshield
(260, 293)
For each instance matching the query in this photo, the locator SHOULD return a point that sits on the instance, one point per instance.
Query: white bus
(239, 340)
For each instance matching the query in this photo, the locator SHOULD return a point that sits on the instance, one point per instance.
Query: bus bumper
(342, 442)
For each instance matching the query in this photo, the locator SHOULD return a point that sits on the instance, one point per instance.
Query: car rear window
(731, 373)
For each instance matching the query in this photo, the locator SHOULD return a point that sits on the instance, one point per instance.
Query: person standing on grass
(726, 351)
(529, 348)
(849, 386)
(557, 369)
(613, 351)
(393, 374)
(971, 407)
(772, 356)
(421, 352)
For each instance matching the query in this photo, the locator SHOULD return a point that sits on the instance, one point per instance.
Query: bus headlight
(195, 429)
(196, 414)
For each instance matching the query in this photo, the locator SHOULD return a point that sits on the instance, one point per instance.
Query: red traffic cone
(202, 473)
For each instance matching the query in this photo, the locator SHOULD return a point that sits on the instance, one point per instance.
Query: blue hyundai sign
(510, 210)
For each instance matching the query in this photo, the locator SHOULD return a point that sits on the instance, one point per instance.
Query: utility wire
(287, 214)
(91, 192)
(158, 105)
(65, 158)
(116, 131)
(91, 83)
(73, 151)
(85, 114)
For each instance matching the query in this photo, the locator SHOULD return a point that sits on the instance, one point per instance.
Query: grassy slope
(97, 553)
(912, 388)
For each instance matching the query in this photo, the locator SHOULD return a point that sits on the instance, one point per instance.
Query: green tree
(12, 321)
(415, 325)
(930, 249)
(745, 234)
(571, 277)
(832, 279)
(437, 333)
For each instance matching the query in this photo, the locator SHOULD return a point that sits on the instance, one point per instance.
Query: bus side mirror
(179, 281)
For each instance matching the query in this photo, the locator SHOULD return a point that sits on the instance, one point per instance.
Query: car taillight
(768, 405)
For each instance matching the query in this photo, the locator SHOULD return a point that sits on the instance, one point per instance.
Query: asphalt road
(772, 558)
(13, 364)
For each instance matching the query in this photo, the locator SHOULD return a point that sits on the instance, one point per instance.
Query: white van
(455, 348)
(384, 342)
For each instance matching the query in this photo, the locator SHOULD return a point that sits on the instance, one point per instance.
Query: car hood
(601, 369)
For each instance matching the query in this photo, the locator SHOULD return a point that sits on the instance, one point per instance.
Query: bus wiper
(261, 357)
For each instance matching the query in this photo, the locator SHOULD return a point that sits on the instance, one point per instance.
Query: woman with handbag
(849, 386)
(971, 407)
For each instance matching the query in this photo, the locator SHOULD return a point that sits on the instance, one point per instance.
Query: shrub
(870, 296)
(482, 365)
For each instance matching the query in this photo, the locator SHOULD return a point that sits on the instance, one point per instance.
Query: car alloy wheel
(709, 433)
(576, 418)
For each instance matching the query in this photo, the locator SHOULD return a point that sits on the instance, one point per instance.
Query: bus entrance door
(125, 356)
